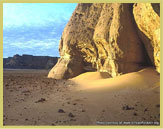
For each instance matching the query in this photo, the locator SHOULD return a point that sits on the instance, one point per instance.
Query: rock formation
(29, 62)
(106, 38)
(148, 22)
(78, 32)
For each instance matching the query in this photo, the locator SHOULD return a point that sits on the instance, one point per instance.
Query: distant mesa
(29, 62)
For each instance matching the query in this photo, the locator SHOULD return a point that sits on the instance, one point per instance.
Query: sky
(34, 28)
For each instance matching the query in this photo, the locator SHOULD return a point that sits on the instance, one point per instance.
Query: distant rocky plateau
(29, 62)
(116, 38)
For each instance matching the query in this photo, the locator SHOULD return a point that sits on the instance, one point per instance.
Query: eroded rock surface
(148, 22)
(77, 42)
(101, 37)
(122, 48)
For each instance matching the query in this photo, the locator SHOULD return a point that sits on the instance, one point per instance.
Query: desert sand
(92, 98)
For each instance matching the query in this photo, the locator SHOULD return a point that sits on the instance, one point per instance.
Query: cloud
(31, 41)
(44, 44)
(34, 28)
(36, 14)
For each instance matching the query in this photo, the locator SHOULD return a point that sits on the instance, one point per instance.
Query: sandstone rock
(66, 68)
(119, 47)
(148, 21)
(100, 37)
(76, 39)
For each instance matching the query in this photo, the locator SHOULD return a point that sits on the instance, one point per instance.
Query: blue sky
(34, 28)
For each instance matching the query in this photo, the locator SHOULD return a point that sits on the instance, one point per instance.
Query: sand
(91, 98)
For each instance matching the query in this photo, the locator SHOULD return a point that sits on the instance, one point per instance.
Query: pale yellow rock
(76, 42)
(103, 38)
(148, 22)
(66, 68)
(118, 44)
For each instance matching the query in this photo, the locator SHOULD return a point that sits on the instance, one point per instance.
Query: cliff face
(29, 62)
(108, 38)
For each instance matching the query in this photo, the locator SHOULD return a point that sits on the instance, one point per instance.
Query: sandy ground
(88, 99)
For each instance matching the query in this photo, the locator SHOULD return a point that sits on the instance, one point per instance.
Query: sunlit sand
(143, 79)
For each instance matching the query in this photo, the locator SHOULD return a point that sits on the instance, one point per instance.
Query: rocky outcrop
(29, 62)
(77, 33)
(148, 21)
(119, 47)
(66, 68)
(100, 37)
